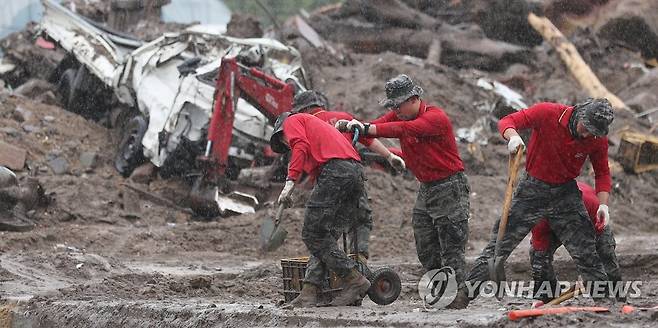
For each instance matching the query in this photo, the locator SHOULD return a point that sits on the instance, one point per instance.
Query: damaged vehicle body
(162, 94)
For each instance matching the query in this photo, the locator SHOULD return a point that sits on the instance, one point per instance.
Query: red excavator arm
(265, 92)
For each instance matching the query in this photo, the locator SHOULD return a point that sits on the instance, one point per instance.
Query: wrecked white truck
(162, 94)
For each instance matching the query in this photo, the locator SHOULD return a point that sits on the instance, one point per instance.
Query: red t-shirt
(333, 117)
(554, 156)
(541, 232)
(313, 142)
(428, 142)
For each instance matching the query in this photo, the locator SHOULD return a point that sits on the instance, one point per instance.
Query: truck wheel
(130, 153)
(385, 286)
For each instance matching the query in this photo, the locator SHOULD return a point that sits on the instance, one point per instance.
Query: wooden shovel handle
(513, 167)
(569, 294)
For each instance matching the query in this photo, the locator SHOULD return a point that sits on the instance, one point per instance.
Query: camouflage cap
(309, 98)
(596, 115)
(398, 90)
(276, 143)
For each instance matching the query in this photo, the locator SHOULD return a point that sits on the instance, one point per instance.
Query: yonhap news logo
(438, 288)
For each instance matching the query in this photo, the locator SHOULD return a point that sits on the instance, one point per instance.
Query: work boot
(307, 298)
(461, 300)
(355, 287)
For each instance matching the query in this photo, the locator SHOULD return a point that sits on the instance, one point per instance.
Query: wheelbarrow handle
(355, 138)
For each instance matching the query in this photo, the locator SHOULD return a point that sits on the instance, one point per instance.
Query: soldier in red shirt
(333, 207)
(563, 137)
(316, 104)
(441, 213)
(544, 243)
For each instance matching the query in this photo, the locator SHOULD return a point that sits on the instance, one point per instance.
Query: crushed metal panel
(638, 152)
(512, 98)
(235, 202)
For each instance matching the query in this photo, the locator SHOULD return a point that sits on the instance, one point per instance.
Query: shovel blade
(497, 273)
(277, 239)
(271, 235)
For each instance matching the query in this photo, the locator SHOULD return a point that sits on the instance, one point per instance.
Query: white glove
(286, 194)
(603, 216)
(354, 124)
(514, 143)
(341, 125)
(396, 162)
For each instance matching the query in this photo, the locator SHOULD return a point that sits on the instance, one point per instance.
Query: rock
(244, 26)
(201, 282)
(21, 114)
(34, 88)
(12, 157)
(88, 160)
(58, 165)
(48, 98)
(143, 174)
(31, 128)
(49, 118)
(9, 131)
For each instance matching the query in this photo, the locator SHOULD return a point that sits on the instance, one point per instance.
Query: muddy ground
(90, 262)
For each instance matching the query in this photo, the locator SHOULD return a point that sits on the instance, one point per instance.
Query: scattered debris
(201, 282)
(157, 199)
(638, 152)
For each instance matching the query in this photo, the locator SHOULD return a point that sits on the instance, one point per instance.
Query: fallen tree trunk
(459, 47)
(393, 13)
(575, 63)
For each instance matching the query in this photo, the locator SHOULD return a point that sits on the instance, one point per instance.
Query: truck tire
(130, 153)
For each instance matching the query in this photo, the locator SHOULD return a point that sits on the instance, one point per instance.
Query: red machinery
(268, 94)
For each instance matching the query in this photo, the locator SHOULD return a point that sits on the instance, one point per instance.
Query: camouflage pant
(338, 203)
(357, 236)
(440, 222)
(567, 217)
(542, 261)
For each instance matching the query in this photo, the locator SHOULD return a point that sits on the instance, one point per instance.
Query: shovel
(497, 263)
(272, 234)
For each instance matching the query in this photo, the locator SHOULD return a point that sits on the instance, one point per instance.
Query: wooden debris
(575, 63)
(638, 152)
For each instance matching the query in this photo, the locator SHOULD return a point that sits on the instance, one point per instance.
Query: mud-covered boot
(355, 287)
(461, 300)
(307, 298)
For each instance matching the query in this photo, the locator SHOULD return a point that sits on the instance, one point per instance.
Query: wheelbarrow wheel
(385, 286)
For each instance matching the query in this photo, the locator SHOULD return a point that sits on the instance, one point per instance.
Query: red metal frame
(267, 93)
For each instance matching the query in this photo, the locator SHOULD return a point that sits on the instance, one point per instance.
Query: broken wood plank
(638, 152)
(12, 157)
(157, 199)
(574, 62)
